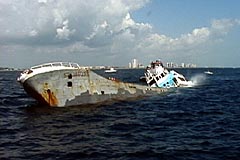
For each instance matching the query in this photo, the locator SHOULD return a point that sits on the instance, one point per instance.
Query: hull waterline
(77, 86)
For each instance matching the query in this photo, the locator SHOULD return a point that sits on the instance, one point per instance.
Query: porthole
(70, 76)
(69, 84)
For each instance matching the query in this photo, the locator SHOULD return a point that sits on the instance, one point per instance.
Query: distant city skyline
(110, 33)
(135, 63)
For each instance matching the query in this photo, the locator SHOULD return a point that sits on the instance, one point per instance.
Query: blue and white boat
(158, 76)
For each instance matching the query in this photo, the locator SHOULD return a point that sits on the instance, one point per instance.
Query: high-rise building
(134, 63)
(129, 65)
(183, 65)
(168, 66)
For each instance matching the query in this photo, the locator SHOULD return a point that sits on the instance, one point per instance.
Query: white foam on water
(198, 79)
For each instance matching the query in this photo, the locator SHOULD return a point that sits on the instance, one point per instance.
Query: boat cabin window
(152, 82)
(182, 79)
(36, 67)
(47, 65)
(65, 64)
(75, 65)
(175, 81)
(70, 76)
(56, 64)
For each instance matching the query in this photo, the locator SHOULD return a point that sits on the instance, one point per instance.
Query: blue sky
(113, 32)
(176, 17)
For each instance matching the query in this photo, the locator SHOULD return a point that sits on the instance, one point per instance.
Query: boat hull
(70, 87)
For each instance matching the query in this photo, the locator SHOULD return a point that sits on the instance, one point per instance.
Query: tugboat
(66, 84)
(158, 76)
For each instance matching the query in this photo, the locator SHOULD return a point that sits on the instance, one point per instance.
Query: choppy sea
(201, 122)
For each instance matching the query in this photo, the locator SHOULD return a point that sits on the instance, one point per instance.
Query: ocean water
(201, 122)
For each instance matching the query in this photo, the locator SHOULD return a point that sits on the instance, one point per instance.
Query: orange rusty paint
(114, 79)
(50, 97)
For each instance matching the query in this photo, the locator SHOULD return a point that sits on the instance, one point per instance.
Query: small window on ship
(69, 84)
(70, 76)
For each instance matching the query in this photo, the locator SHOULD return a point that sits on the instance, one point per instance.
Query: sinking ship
(156, 75)
(67, 84)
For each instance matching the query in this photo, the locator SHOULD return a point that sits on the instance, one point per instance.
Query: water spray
(198, 79)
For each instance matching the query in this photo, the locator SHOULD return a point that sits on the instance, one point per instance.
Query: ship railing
(57, 64)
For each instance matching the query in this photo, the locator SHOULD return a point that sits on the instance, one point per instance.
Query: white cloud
(105, 27)
(33, 33)
(224, 25)
(64, 32)
(99, 28)
(167, 44)
(129, 23)
(42, 1)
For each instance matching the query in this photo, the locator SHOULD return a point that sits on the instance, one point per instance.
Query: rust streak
(50, 97)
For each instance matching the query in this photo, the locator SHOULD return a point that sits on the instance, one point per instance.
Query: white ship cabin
(46, 67)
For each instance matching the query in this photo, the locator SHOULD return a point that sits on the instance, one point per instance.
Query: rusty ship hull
(67, 86)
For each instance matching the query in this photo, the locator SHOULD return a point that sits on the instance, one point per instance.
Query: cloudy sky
(112, 32)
